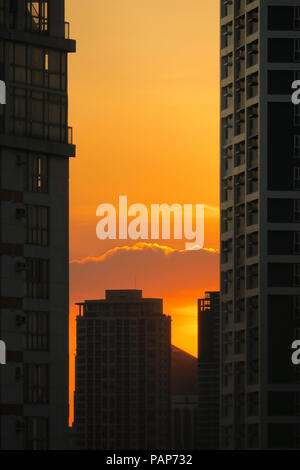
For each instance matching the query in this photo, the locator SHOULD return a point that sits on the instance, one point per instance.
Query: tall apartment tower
(123, 362)
(208, 371)
(35, 146)
(260, 224)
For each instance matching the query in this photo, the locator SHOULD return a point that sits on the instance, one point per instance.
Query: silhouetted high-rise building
(260, 215)
(122, 389)
(208, 370)
(184, 400)
(35, 145)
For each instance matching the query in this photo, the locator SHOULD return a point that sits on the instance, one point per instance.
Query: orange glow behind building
(144, 105)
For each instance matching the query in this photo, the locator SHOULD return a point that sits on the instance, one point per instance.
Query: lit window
(36, 173)
(37, 16)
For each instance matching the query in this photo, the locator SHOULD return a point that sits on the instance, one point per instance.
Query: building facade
(208, 371)
(35, 146)
(260, 215)
(184, 400)
(122, 373)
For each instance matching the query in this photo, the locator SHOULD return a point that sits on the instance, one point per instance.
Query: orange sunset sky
(144, 105)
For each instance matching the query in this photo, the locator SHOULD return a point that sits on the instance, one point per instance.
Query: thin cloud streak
(167, 250)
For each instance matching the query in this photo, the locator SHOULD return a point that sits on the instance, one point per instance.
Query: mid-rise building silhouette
(260, 215)
(208, 371)
(184, 400)
(122, 389)
(35, 145)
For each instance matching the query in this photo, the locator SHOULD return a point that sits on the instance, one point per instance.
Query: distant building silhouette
(184, 400)
(208, 370)
(122, 390)
(35, 146)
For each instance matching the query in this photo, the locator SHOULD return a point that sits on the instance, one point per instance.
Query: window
(296, 50)
(37, 16)
(296, 144)
(296, 275)
(252, 213)
(253, 152)
(2, 12)
(252, 180)
(252, 85)
(296, 17)
(252, 120)
(239, 342)
(240, 122)
(227, 66)
(227, 343)
(226, 8)
(37, 278)
(252, 311)
(239, 154)
(37, 225)
(240, 373)
(36, 383)
(296, 307)
(252, 276)
(252, 370)
(252, 22)
(253, 436)
(296, 178)
(227, 125)
(227, 35)
(252, 54)
(37, 331)
(226, 280)
(38, 66)
(36, 433)
(252, 244)
(252, 404)
(227, 405)
(39, 115)
(239, 183)
(296, 210)
(240, 62)
(36, 173)
(227, 374)
(240, 31)
(296, 243)
(296, 110)
(227, 97)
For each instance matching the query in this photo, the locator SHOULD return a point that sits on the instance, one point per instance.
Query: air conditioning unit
(20, 212)
(20, 320)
